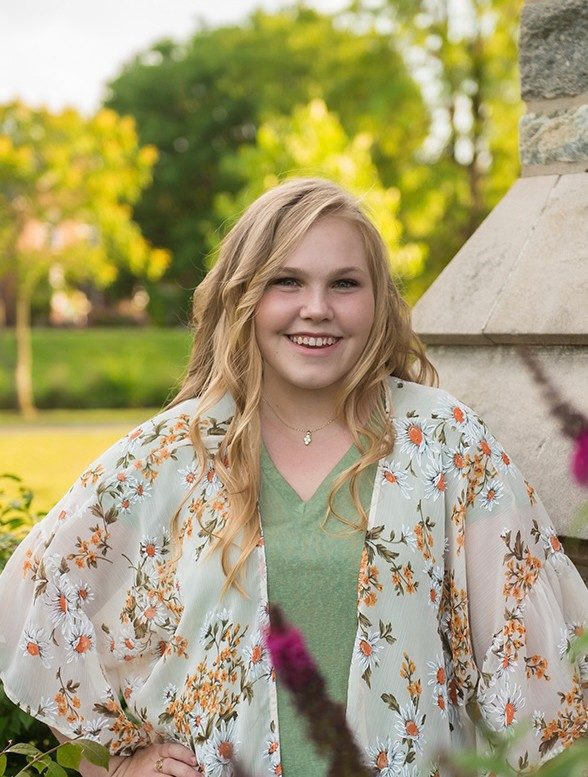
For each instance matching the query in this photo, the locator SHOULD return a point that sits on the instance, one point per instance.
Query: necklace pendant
(307, 438)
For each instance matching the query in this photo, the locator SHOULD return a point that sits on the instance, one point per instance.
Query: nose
(316, 305)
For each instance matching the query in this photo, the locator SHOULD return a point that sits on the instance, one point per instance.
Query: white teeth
(313, 342)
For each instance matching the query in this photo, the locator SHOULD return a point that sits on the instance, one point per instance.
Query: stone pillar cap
(523, 275)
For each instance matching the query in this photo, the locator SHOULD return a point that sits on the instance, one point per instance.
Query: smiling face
(314, 319)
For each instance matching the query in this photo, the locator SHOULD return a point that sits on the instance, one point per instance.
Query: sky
(62, 52)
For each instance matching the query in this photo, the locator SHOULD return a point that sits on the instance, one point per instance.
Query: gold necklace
(307, 439)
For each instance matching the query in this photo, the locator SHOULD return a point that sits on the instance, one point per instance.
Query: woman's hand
(162, 758)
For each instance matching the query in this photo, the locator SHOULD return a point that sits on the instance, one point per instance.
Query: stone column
(523, 276)
(554, 85)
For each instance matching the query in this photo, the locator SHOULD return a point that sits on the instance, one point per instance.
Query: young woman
(306, 461)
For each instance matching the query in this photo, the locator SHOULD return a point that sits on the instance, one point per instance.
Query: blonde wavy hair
(225, 357)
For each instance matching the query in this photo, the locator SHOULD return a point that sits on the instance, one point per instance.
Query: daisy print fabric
(467, 607)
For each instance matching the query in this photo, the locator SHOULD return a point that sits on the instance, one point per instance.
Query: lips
(310, 341)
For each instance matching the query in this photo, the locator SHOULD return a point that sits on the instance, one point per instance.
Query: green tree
(465, 55)
(66, 189)
(312, 142)
(202, 100)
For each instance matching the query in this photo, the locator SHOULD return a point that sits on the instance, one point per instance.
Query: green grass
(98, 368)
(50, 452)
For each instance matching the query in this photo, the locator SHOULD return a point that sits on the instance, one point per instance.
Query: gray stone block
(494, 381)
(553, 49)
(546, 293)
(559, 136)
(522, 276)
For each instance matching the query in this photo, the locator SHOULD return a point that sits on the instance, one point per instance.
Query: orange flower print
(531, 493)
(198, 721)
(456, 461)
(435, 585)
(536, 666)
(501, 709)
(272, 753)
(476, 477)
(501, 459)
(62, 600)
(368, 646)
(80, 639)
(219, 750)
(92, 476)
(485, 447)
(385, 757)
(368, 583)
(459, 417)
(415, 437)
(189, 475)
(27, 564)
(256, 655)
(435, 482)
(150, 548)
(552, 547)
(394, 475)
(410, 726)
(35, 644)
(491, 495)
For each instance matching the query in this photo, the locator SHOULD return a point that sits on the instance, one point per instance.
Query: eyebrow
(339, 271)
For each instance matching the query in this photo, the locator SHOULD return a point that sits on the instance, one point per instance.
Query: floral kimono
(467, 606)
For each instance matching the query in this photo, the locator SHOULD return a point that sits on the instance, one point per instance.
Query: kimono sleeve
(74, 621)
(526, 602)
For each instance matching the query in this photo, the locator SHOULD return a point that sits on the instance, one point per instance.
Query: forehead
(330, 242)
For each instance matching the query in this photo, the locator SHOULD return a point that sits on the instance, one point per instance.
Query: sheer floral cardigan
(467, 605)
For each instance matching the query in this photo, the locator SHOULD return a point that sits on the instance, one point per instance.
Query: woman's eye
(346, 283)
(285, 282)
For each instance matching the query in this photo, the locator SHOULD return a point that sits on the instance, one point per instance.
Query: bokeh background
(133, 134)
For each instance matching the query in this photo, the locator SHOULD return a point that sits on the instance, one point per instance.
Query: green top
(313, 576)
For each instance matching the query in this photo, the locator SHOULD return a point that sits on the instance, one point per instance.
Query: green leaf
(55, 770)
(94, 752)
(390, 700)
(69, 755)
(3, 760)
(41, 764)
(21, 748)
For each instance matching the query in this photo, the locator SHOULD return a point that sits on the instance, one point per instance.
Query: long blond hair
(225, 357)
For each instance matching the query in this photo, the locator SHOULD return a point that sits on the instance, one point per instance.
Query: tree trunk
(24, 355)
(478, 75)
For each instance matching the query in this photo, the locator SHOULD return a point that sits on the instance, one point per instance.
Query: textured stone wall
(554, 85)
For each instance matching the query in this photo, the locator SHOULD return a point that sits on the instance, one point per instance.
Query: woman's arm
(176, 760)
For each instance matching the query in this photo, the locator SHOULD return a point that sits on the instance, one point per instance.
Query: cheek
(361, 317)
(269, 319)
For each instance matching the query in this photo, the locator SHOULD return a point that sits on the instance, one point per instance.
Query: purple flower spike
(580, 459)
(327, 727)
(289, 655)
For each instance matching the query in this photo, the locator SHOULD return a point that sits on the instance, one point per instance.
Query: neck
(301, 408)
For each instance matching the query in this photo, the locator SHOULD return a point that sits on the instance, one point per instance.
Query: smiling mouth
(313, 342)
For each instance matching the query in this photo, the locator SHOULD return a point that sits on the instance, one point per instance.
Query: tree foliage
(464, 54)
(312, 142)
(201, 101)
(433, 82)
(67, 185)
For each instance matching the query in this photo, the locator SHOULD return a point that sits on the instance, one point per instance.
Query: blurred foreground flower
(580, 459)
(573, 422)
(327, 726)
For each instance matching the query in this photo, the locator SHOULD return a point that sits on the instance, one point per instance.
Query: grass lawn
(103, 367)
(50, 452)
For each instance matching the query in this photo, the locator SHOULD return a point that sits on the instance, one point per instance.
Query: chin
(316, 384)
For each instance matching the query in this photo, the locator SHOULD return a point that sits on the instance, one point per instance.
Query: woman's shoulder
(417, 398)
(172, 424)
(437, 413)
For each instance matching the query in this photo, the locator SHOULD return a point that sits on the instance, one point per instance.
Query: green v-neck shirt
(312, 574)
